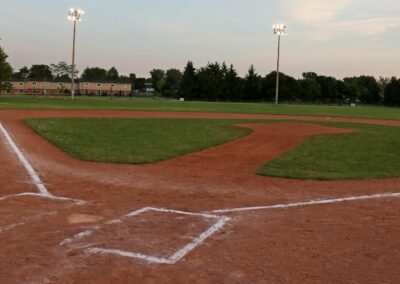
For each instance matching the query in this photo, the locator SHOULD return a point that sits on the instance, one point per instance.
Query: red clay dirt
(356, 242)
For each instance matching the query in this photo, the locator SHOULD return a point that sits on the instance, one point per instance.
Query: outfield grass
(134, 140)
(370, 152)
(100, 103)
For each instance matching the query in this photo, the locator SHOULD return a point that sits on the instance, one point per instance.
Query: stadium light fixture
(74, 15)
(279, 30)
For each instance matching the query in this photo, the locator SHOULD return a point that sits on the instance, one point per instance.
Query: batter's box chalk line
(42, 190)
(220, 222)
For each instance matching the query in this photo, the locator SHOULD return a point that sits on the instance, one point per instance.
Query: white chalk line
(43, 192)
(177, 256)
(310, 203)
(222, 220)
(35, 178)
(77, 237)
(28, 219)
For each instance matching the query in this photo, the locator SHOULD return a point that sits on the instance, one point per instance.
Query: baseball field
(122, 190)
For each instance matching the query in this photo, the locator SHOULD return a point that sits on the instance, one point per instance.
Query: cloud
(325, 19)
(313, 11)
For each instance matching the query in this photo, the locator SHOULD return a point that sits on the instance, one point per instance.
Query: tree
(329, 89)
(232, 88)
(22, 73)
(252, 85)
(188, 84)
(172, 82)
(347, 92)
(210, 82)
(62, 70)
(94, 73)
(112, 74)
(288, 87)
(392, 92)
(309, 89)
(40, 71)
(5, 69)
(140, 84)
(158, 79)
(369, 91)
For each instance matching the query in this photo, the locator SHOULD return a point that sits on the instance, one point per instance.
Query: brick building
(82, 87)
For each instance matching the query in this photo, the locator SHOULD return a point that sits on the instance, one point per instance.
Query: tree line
(220, 82)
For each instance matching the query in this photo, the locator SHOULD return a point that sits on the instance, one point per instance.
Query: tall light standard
(74, 15)
(279, 30)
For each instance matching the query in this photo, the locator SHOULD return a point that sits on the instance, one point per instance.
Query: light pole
(279, 30)
(74, 15)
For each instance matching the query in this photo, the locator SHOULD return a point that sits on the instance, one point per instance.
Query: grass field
(134, 140)
(30, 102)
(370, 152)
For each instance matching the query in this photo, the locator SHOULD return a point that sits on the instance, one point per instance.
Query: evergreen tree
(252, 85)
(188, 84)
(392, 92)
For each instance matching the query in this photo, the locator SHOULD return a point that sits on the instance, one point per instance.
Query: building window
(34, 83)
(112, 85)
(98, 85)
(86, 84)
(21, 84)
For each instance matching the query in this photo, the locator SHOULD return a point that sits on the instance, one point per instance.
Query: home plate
(154, 235)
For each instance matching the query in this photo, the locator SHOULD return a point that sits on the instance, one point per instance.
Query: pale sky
(331, 37)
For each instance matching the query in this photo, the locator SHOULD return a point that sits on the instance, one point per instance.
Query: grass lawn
(101, 103)
(134, 140)
(370, 152)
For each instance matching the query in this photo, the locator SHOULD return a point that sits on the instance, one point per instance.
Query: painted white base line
(34, 176)
(26, 220)
(177, 256)
(43, 192)
(310, 203)
(38, 195)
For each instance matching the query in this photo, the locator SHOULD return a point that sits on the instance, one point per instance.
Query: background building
(82, 87)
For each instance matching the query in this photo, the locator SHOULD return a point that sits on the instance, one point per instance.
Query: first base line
(310, 203)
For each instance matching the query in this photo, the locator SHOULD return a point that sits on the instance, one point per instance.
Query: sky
(331, 37)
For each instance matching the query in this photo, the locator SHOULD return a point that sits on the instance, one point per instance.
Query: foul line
(310, 203)
(35, 178)
(43, 192)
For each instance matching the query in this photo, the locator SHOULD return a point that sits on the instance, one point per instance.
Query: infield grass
(370, 152)
(134, 141)
(148, 104)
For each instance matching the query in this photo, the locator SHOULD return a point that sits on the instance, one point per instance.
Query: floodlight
(74, 15)
(279, 30)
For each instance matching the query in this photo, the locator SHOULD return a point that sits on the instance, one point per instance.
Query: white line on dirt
(77, 237)
(26, 220)
(43, 192)
(310, 203)
(34, 176)
(177, 256)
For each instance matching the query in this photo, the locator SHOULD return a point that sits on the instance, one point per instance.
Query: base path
(339, 242)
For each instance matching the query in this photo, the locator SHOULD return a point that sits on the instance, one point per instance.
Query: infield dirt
(349, 242)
